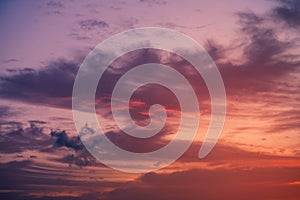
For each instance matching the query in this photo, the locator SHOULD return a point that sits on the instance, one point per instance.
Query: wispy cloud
(289, 12)
(90, 24)
(256, 158)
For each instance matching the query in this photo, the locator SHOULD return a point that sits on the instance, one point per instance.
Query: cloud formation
(62, 139)
(51, 85)
(259, 183)
(90, 24)
(289, 12)
(56, 165)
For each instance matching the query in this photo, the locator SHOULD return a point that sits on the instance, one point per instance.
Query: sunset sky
(256, 47)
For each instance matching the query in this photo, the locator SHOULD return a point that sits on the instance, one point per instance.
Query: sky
(255, 45)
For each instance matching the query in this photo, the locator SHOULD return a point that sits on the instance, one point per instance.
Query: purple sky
(255, 45)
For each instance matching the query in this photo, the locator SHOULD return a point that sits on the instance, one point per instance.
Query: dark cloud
(289, 12)
(235, 174)
(55, 4)
(7, 126)
(90, 24)
(62, 139)
(60, 119)
(32, 180)
(88, 29)
(265, 73)
(50, 85)
(264, 43)
(232, 183)
(215, 50)
(4, 111)
(261, 48)
(55, 7)
(265, 58)
(33, 122)
(80, 157)
(15, 138)
(259, 183)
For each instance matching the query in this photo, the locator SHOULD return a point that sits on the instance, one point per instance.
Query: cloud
(54, 7)
(263, 44)
(289, 12)
(80, 159)
(11, 60)
(62, 139)
(16, 138)
(285, 121)
(22, 143)
(173, 25)
(90, 24)
(266, 59)
(33, 122)
(154, 2)
(265, 73)
(51, 85)
(4, 111)
(247, 172)
(226, 173)
(259, 183)
(264, 56)
(55, 4)
(263, 47)
(34, 180)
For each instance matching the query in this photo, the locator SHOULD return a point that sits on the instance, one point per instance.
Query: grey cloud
(62, 139)
(55, 4)
(289, 12)
(264, 43)
(90, 24)
(32, 180)
(4, 111)
(50, 85)
(33, 122)
(81, 159)
(54, 7)
(215, 50)
(15, 138)
(89, 28)
(266, 58)
(265, 74)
